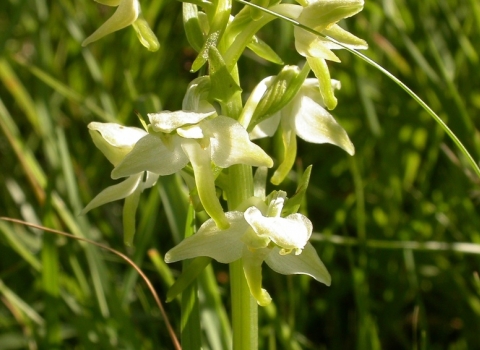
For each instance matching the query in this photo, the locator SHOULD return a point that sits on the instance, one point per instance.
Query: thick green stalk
(240, 179)
(244, 306)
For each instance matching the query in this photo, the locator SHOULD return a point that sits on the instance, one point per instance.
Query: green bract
(255, 236)
(182, 136)
(116, 141)
(304, 116)
(128, 13)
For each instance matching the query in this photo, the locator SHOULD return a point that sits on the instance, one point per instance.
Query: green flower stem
(244, 310)
(371, 62)
(244, 306)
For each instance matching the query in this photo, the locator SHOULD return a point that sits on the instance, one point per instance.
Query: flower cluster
(256, 235)
(213, 131)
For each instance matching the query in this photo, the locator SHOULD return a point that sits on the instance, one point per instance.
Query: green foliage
(388, 221)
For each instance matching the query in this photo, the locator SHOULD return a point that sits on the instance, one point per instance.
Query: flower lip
(250, 237)
(290, 233)
(167, 121)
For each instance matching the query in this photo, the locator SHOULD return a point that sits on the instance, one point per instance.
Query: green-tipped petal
(307, 263)
(322, 14)
(167, 121)
(289, 139)
(126, 13)
(263, 50)
(224, 246)
(114, 140)
(145, 34)
(252, 266)
(290, 233)
(205, 181)
(314, 124)
(231, 145)
(338, 33)
(151, 154)
(113, 193)
(320, 68)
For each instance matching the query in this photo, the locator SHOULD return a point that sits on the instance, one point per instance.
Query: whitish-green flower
(306, 117)
(322, 16)
(259, 234)
(116, 141)
(128, 13)
(179, 137)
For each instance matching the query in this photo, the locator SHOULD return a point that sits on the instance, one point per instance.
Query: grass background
(387, 221)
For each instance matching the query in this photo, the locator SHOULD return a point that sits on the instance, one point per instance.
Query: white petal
(125, 14)
(222, 245)
(231, 145)
(290, 233)
(253, 101)
(167, 121)
(307, 263)
(114, 140)
(118, 135)
(190, 132)
(115, 192)
(314, 124)
(266, 128)
(151, 154)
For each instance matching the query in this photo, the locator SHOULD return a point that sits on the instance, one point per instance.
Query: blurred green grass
(407, 183)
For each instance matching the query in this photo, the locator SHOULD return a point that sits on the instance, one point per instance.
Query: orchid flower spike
(259, 234)
(179, 137)
(322, 16)
(128, 13)
(304, 116)
(116, 141)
